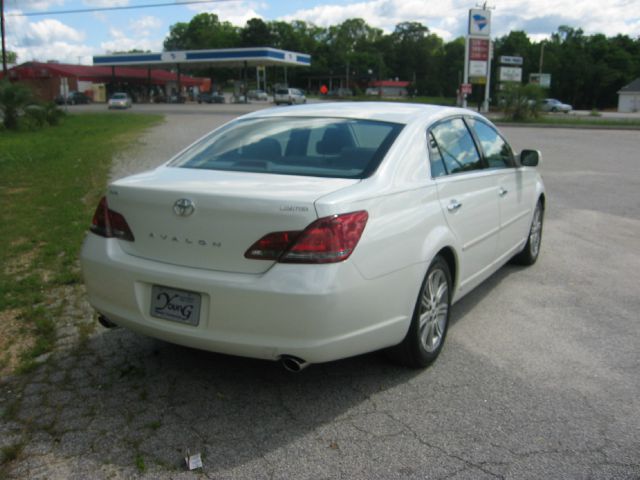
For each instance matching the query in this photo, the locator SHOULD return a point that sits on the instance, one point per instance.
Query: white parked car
(290, 96)
(313, 233)
(553, 105)
(119, 100)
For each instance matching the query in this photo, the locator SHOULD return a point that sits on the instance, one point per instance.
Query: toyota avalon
(313, 233)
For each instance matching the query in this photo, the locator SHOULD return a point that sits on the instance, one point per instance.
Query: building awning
(228, 57)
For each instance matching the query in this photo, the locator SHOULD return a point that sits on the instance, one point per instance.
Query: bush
(53, 113)
(34, 117)
(18, 107)
(521, 102)
(14, 97)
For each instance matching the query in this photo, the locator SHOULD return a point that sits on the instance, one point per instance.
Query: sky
(75, 38)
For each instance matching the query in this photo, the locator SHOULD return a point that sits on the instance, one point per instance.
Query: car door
(515, 188)
(467, 196)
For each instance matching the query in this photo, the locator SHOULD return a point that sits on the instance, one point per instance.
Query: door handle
(454, 205)
(503, 191)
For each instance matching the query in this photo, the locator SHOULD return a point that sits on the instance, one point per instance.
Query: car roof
(381, 111)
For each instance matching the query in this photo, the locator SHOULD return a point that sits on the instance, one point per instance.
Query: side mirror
(530, 158)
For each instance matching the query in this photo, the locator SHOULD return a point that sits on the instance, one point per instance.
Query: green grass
(50, 183)
(448, 101)
(572, 120)
(10, 452)
(140, 465)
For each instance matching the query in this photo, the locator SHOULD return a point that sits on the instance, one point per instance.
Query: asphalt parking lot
(538, 379)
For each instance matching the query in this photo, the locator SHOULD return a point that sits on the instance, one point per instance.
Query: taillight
(327, 240)
(110, 224)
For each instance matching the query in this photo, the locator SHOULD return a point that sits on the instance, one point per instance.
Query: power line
(107, 9)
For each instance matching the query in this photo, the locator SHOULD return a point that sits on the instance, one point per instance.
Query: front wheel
(529, 254)
(430, 320)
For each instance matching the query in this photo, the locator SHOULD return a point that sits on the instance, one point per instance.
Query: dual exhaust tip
(288, 362)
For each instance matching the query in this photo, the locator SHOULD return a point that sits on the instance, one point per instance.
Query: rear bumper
(315, 312)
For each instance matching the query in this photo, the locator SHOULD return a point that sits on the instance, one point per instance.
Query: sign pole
(466, 69)
(487, 91)
(4, 48)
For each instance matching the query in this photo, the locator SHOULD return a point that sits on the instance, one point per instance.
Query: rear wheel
(529, 254)
(428, 328)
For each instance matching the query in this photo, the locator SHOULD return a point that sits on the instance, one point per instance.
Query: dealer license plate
(176, 305)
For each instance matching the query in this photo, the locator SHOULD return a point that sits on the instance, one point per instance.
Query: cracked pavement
(538, 379)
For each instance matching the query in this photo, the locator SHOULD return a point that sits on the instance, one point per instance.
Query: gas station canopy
(228, 57)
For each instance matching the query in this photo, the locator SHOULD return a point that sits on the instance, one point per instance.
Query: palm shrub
(521, 102)
(14, 97)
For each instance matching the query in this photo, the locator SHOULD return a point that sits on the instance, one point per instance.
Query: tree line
(587, 70)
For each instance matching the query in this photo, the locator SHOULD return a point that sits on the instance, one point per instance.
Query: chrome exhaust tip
(105, 322)
(293, 364)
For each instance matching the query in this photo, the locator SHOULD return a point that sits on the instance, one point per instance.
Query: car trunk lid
(231, 211)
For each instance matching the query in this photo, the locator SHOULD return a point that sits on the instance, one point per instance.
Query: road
(538, 379)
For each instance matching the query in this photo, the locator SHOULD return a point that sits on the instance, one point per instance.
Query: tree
(14, 97)
(256, 33)
(203, 31)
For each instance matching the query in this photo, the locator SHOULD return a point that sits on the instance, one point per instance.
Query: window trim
(473, 139)
(512, 160)
(477, 144)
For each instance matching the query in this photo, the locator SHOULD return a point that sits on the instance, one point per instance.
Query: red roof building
(47, 79)
(388, 88)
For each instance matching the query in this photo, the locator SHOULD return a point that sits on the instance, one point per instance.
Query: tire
(554, 110)
(430, 320)
(529, 255)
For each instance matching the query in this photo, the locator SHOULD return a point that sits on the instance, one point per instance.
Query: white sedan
(309, 234)
(289, 96)
(119, 100)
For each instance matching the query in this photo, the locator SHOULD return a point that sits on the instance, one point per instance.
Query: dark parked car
(77, 98)
(210, 98)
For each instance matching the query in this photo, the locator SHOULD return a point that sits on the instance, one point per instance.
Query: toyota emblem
(184, 207)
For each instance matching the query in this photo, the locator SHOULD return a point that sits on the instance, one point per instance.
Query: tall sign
(478, 52)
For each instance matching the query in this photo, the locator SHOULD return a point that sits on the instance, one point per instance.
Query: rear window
(317, 147)
(282, 92)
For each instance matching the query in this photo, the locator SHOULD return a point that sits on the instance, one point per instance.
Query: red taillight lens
(271, 246)
(110, 224)
(327, 240)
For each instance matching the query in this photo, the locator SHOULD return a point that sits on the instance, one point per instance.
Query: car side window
(435, 158)
(497, 152)
(456, 146)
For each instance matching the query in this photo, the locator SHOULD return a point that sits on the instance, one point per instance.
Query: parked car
(119, 100)
(553, 105)
(77, 98)
(289, 96)
(206, 97)
(312, 234)
(257, 95)
(341, 92)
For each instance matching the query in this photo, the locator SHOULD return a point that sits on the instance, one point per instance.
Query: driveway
(538, 379)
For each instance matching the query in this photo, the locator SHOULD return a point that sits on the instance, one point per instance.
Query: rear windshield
(282, 92)
(317, 147)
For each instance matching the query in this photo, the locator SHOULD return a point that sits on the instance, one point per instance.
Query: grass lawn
(574, 121)
(50, 183)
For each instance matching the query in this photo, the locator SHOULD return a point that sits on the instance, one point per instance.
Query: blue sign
(480, 21)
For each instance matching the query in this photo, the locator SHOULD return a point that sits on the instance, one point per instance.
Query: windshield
(119, 96)
(318, 147)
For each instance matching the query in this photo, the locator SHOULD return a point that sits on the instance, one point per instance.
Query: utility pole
(4, 48)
